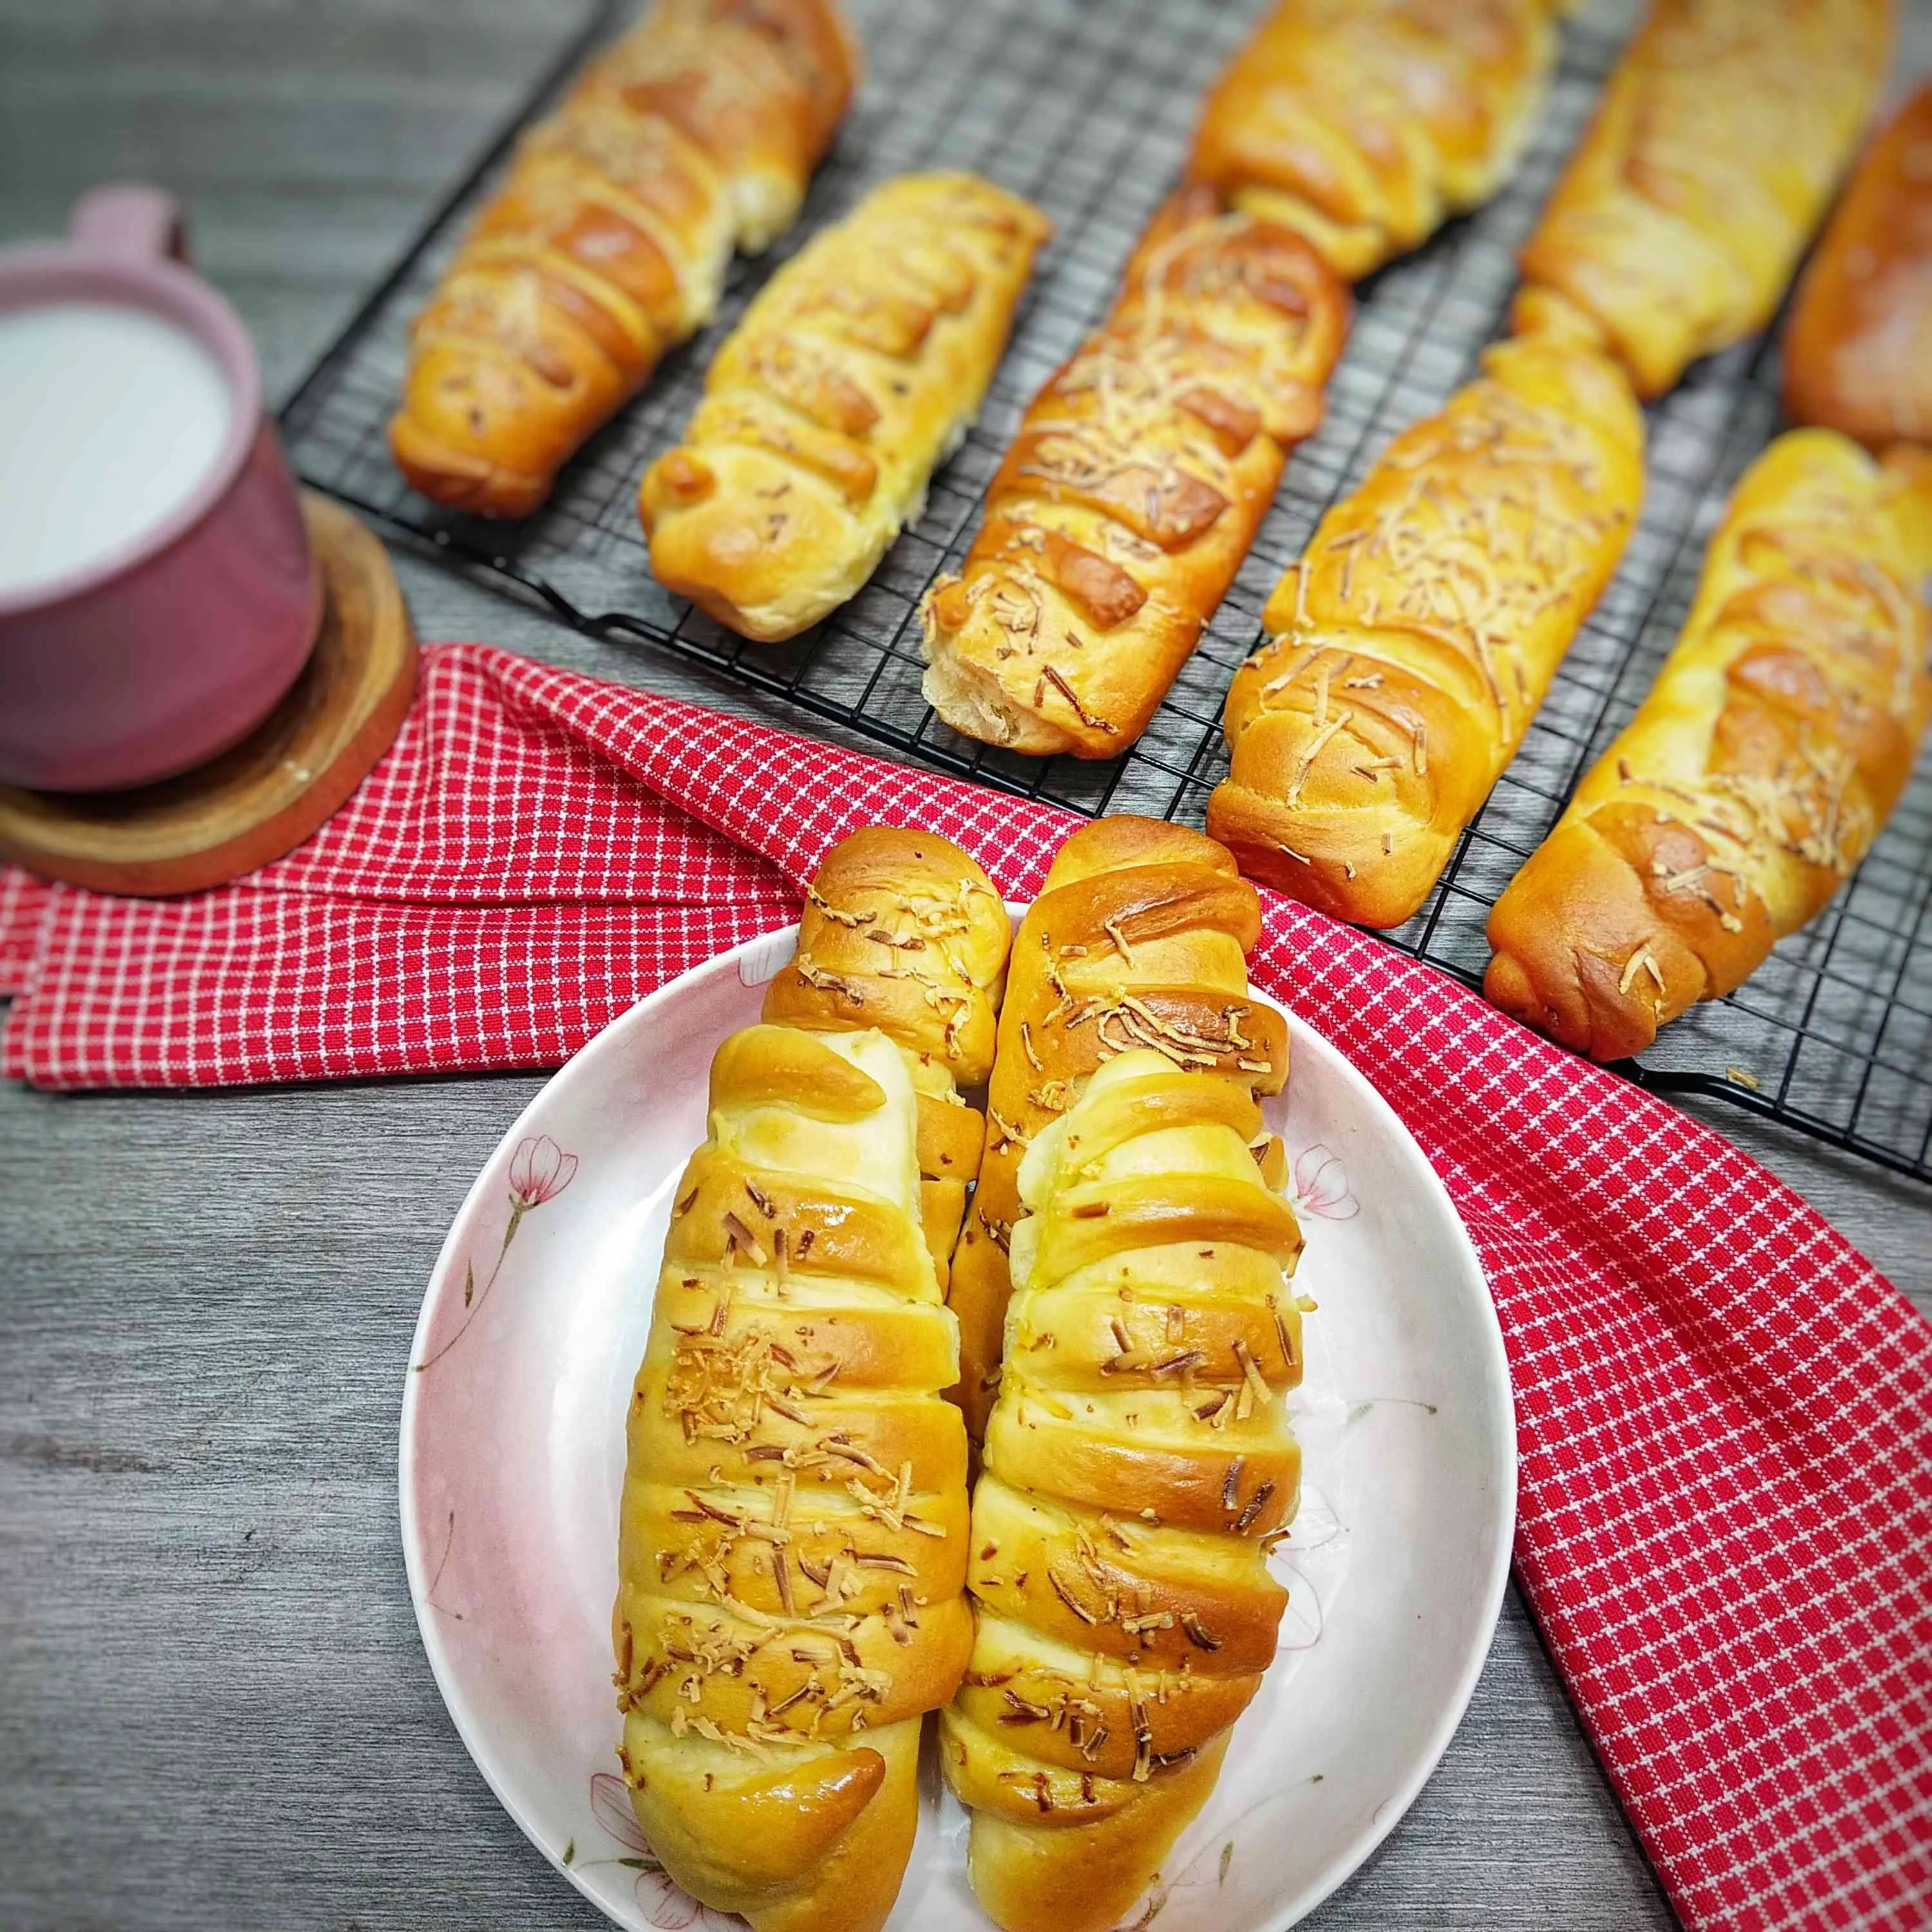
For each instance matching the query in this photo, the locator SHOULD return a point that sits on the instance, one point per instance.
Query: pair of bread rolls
(1412, 645)
(1723, 130)
(1775, 742)
(1130, 497)
(794, 1539)
(855, 371)
(693, 136)
(1364, 123)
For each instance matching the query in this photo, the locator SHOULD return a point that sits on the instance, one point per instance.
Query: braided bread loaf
(1364, 123)
(607, 245)
(856, 372)
(1139, 938)
(793, 1540)
(1135, 486)
(903, 931)
(1137, 1464)
(1776, 740)
(1711, 157)
(1413, 642)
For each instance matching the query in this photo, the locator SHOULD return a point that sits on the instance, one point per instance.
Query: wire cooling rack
(1086, 106)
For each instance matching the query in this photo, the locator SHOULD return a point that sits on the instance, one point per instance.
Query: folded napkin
(1725, 1413)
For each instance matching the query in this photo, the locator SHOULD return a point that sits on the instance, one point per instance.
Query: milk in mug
(110, 417)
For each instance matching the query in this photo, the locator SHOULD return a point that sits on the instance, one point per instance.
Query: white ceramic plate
(512, 1459)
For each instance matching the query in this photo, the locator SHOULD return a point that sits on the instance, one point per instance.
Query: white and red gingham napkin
(1725, 1413)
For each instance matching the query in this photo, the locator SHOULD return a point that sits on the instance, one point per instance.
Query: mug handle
(136, 222)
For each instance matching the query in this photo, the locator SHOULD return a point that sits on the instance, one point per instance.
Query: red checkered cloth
(1725, 1412)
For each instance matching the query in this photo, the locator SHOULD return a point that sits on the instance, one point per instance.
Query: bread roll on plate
(694, 135)
(1139, 938)
(1858, 356)
(1138, 479)
(1364, 124)
(1755, 776)
(903, 931)
(855, 373)
(1412, 643)
(792, 1539)
(1138, 1463)
(1722, 132)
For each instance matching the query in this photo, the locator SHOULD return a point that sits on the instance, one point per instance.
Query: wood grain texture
(213, 1707)
(262, 797)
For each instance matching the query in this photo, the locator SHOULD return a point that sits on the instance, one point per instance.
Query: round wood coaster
(263, 797)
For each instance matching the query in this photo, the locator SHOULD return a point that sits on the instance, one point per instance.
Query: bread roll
(1677, 224)
(694, 135)
(1412, 645)
(1777, 738)
(792, 1540)
(1134, 488)
(903, 931)
(1364, 123)
(1858, 356)
(1138, 1462)
(1139, 938)
(857, 371)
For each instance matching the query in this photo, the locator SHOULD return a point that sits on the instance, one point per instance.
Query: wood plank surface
(214, 1710)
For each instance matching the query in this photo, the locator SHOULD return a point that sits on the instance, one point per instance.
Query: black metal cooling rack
(1086, 106)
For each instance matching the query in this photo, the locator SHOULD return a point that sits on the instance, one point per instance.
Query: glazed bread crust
(793, 1546)
(1138, 1463)
(1139, 938)
(1858, 356)
(855, 373)
(902, 931)
(1134, 488)
(1755, 776)
(694, 135)
(1363, 124)
(1723, 130)
(1412, 643)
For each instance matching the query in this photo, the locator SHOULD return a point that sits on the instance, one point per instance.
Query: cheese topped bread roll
(855, 373)
(694, 135)
(792, 1540)
(1722, 132)
(1364, 123)
(1138, 1462)
(1755, 776)
(1136, 485)
(1139, 938)
(1412, 645)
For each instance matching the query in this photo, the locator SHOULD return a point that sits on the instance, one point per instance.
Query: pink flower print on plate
(664, 1902)
(539, 1171)
(1319, 1186)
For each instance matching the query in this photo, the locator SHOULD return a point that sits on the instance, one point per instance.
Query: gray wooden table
(214, 1708)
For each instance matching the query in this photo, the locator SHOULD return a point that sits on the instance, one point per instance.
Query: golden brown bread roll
(1364, 124)
(854, 373)
(1858, 356)
(904, 932)
(1413, 642)
(1777, 738)
(1136, 485)
(792, 1539)
(1139, 938)
(1714, 151)
(1138, 1463)
(694, 135)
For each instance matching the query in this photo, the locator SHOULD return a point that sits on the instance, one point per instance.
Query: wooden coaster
(262, 798)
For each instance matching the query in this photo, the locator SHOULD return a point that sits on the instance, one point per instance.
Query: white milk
(108, 418)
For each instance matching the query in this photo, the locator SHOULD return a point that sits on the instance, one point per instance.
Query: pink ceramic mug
(165, 650)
